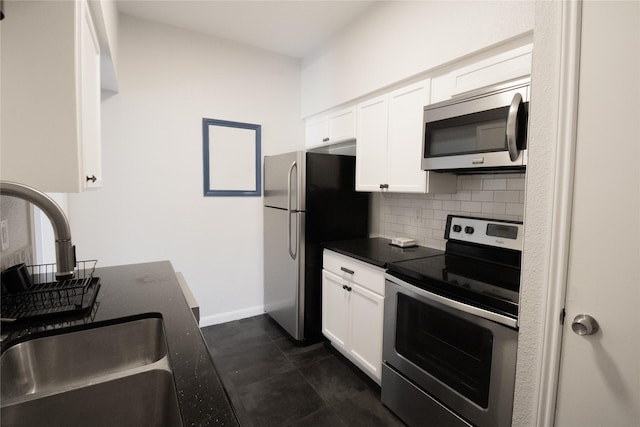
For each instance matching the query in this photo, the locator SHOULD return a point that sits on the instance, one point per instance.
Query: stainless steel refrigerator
(309, 198)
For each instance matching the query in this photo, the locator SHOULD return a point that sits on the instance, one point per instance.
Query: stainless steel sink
(112, 375)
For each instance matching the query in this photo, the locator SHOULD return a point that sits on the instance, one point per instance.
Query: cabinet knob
(325, 139)
(384, 186)
(91, 178)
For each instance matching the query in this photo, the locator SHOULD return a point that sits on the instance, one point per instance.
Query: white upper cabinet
(372, 146)
(337, 126)
(50, 99)
(389, 148)
(501, 65)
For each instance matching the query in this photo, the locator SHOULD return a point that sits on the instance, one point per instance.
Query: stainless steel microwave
(478, 133)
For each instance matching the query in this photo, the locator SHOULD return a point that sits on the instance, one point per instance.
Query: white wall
(151, 206)
(397, 40)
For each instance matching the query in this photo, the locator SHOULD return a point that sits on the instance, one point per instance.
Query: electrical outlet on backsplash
(423, 216)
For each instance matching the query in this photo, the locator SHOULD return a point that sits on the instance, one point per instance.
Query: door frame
(555, 218)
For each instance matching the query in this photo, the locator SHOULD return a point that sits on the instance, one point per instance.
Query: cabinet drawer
(366, 275)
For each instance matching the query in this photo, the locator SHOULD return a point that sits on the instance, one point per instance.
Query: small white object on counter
(403, 242)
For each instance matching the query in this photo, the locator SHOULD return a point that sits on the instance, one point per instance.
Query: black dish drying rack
(48, 296)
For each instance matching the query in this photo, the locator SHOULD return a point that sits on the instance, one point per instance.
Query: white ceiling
(293, 28)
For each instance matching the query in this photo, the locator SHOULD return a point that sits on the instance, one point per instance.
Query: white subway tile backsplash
(516, 209)
(471, 207)
(423, 216)
(494, 208)
(494, 184)
(482, 196)
(469, 183)
(462, 195)
(515, 184)
(453, 205)
(506, 196)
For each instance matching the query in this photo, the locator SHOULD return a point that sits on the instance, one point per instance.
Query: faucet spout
(65, 253)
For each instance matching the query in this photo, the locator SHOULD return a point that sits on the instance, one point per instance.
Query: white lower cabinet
(352, 311)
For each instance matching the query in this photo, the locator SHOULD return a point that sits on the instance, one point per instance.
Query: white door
(599, 382)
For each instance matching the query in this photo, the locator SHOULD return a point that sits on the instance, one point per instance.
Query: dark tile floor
(271, 382)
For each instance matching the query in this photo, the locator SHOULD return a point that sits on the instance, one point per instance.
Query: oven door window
(453, 350)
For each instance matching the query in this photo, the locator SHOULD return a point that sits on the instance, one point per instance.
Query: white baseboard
(216, 319)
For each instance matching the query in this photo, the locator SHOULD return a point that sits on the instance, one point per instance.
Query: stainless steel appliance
(451, 328)
(309, 198)
(480, 132)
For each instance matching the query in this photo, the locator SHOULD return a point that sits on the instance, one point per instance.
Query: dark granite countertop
(132, 290)
(379, 251)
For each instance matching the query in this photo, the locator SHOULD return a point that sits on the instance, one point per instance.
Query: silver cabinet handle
(583, 324)
(292, 253)
(512, 127)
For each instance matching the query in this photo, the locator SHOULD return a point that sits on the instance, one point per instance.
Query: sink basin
(117, 374)
(143, 399)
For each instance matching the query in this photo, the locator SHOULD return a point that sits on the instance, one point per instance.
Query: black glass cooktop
(481, 284)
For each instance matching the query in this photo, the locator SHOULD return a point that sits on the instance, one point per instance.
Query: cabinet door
(371, 149)
(342, 125)
(406, 108)
(490, 68)
(335, 309)
(316, 131)
(91, 172)
(50, 98)
(366, 315)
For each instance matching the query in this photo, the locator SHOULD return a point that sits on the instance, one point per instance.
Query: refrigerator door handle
(293, 254)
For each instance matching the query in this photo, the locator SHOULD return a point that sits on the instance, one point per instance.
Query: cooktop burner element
(481, 265)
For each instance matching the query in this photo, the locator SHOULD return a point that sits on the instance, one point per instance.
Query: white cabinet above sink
(50, 99)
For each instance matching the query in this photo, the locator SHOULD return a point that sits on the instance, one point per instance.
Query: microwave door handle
(512, 127)
(293, 254)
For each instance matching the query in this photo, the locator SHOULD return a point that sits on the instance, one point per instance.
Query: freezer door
(284, 181)
(284, 254)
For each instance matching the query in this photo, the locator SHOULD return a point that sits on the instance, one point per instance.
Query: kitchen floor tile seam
(341, 358)
(306, 420)
(244, 392)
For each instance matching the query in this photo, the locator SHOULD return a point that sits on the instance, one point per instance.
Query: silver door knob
(583, 324)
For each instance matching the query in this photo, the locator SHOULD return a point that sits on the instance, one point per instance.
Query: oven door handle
(456, 305)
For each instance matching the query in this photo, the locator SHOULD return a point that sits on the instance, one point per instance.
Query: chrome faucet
(65, 251)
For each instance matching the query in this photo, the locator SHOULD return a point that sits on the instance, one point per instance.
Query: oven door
(462, 362)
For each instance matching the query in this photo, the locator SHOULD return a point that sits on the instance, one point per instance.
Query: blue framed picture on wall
(231, 158)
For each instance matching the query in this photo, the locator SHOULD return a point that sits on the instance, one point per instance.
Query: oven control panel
(484, 231)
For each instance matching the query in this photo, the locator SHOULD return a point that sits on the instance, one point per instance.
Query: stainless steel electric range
(451, 328)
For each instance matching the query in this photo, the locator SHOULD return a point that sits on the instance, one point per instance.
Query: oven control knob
(583, 324)
(468, 230)
(457, 228)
